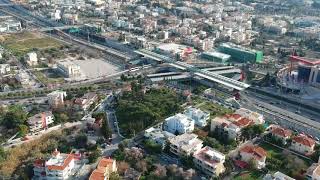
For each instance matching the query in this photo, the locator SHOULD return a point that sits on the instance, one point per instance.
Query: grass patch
(22, 43)
(284, 161)
(214, 109)
(252, 175)
(47, 80)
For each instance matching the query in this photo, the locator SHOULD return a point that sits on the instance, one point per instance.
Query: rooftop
(303, 139)
(281, 132)
(186, 141)
(217, 54)
(256, 151)
(210, 156)
(59, 161)
(38, 117)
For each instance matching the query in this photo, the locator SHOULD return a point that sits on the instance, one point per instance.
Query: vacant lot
(94, 68)
(22, 43)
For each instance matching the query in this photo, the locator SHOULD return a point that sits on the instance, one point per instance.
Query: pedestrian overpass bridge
(229, 82)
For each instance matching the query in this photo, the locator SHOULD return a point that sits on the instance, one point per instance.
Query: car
(297, 112)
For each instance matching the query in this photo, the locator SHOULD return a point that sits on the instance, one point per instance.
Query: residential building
(302, 144)
(40, 121)
(251, 115)
(313, 172)
(209, 161)
(178, 123)
(4, 69)
(185, 144)
(255, 153)
(230, 126)
(86, 101)
(59, 166)
(281, 134)
(277, 176)
(56, 98)
(105, 167)
(199, 117)
(69, 69)
(32, 59)
(158, 136)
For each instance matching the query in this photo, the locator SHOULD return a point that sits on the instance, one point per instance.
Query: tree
(122, 167)
(2, 154)
(14, 117)
(81, 141)
(187, 161)
(142, 166)
(152, 147)
(94, 156)
(105, 129)
(114, 176)
(23, 130)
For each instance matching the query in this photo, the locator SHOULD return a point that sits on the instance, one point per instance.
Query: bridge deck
(200, 72)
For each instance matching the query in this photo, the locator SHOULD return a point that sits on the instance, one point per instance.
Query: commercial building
(241, 54)
(56, 98)
(69, 69)
(86, 101)
(105, 167)
(199, 117)
(255, 153)
(302, 144)
(209, 161)
(185, 144)
(158, 136)
(40, 121)
(32, 59)
(176, 51)
(216, 57)
(178, 124)
(9, 24)
(59, 166)
(4, 69)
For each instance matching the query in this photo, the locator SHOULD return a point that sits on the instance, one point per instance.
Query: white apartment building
(209, 161)
(69, 69)
(40, 121)
(56, 98)
(58, 167)
(4, 68)
(178, 123)
(185, 144)
(32, 59)
(199, 117)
